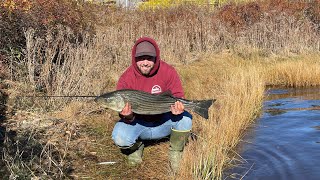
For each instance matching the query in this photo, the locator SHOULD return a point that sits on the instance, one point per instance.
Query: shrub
(170, 3)
(19, 15)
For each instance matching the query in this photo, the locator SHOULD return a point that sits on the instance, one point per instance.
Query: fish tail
(202, 107)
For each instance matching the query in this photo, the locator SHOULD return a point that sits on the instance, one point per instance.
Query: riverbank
(290, 119)
(239, 85)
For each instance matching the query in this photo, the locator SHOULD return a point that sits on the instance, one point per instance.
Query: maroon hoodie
(162, 77)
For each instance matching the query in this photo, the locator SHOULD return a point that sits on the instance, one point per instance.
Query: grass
(239, 92)
(295, 72)
(231, 60)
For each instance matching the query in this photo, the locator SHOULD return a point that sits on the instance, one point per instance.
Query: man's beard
(145, 70)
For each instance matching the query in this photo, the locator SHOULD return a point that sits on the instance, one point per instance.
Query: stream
(284, 143)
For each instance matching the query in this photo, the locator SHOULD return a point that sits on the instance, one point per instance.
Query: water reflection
(284, 142)
(305, 93)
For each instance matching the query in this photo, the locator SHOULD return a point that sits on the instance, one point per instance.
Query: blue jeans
(125, 134)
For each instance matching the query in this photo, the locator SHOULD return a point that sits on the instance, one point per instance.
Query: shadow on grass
(4, 173)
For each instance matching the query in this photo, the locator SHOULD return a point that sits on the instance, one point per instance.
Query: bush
(19, 15)
(170, 3)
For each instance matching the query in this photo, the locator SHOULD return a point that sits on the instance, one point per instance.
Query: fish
(144, 103)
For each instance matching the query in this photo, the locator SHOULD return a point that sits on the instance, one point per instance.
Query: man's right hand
(127, 113)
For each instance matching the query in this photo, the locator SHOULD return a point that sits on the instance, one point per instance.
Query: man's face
(145, 64)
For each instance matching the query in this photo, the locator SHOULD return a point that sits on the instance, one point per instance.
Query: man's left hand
(177, 108)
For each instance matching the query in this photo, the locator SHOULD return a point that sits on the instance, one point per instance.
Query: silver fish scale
(145, 103)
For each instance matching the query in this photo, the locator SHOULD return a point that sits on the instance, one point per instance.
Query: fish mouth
(98, 99)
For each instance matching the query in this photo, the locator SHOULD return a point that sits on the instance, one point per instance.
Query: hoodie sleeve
(123, 82)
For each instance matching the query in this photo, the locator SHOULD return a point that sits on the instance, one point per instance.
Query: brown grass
(295, 72)
(238, 87)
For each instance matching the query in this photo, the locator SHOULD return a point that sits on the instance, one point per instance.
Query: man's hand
(177, 108)
(127, 113)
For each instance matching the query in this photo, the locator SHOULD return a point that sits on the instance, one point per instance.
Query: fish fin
(202, 107)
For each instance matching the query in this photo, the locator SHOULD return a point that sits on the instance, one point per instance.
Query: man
(150, 74)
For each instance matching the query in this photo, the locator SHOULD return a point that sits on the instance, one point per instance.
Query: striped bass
(147, 104)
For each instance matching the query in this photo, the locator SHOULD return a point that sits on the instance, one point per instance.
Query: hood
(157, 63)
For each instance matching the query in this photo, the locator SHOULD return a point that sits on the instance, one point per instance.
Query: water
(285, 142)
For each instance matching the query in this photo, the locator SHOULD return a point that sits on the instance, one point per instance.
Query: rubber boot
(178, 140)
(134, 153)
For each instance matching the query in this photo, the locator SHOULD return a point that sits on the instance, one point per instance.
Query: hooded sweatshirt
(163, 77)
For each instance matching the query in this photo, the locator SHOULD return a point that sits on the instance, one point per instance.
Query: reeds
(295, 71)
(239, 90)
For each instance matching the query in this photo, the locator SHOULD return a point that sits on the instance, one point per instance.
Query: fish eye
(110, 99)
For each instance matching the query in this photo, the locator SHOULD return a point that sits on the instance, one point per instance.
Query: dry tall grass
(295, 72)
(182, 33)
(239, 90)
